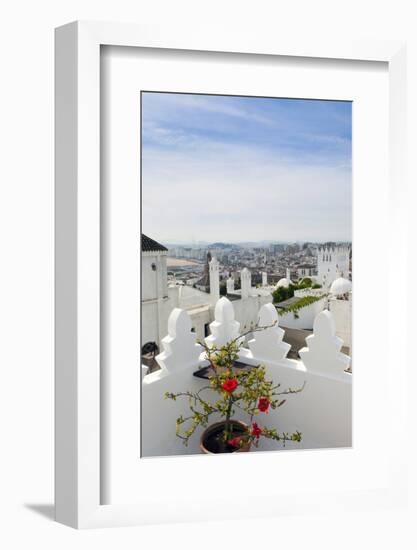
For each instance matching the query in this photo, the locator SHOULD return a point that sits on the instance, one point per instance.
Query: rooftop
(149, 245)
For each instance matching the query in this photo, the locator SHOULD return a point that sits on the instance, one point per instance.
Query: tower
(214, 280)
(230, 284)
(246, 282)
(154, 298)
(332, 262)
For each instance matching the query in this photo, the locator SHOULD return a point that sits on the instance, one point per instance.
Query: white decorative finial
(323, 352)
(267, 345)
(180, 348)
(245, 282)
(224, 328)
(214, 280)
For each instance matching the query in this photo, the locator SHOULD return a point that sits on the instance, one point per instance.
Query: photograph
(245, 274)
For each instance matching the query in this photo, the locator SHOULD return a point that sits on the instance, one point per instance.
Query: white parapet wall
(304, 318)
(178, 361)
(310, 292)
(322, 411)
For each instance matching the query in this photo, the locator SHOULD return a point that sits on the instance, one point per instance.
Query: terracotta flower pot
(211, 441)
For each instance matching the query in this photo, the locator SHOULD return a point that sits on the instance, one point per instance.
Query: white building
(332, 262)
(154, 291)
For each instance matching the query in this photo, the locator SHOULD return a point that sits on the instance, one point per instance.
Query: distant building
(306, 270)
(332, 262)
(277, 248)
(204, 282)
(292, 248)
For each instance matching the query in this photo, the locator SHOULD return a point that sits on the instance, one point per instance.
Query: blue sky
(245, 169)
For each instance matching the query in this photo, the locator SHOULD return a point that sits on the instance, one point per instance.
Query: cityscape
(299, 277)
(186, 263)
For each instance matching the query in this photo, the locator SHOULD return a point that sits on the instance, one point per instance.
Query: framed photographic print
(222, 210)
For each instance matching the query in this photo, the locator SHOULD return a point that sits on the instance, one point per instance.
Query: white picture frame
(78, 411)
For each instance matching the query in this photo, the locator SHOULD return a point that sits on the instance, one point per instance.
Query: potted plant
(232, 390)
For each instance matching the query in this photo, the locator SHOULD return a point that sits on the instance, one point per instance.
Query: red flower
(256, 430)
(263, 404)
(235, 442)
(229, 385)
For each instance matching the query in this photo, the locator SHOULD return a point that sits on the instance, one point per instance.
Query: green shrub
(306, 282)
(281, 293)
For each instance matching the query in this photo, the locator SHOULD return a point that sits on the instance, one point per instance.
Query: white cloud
(226, 192)
(157, 106)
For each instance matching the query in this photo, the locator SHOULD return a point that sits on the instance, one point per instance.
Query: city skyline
(262, 243)
(238, 169)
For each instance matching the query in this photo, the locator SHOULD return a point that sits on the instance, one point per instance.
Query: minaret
(264, 278)
(246, 282)
(288, 274)
(214, 280)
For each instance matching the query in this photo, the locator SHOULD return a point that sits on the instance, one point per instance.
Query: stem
(227, 433)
